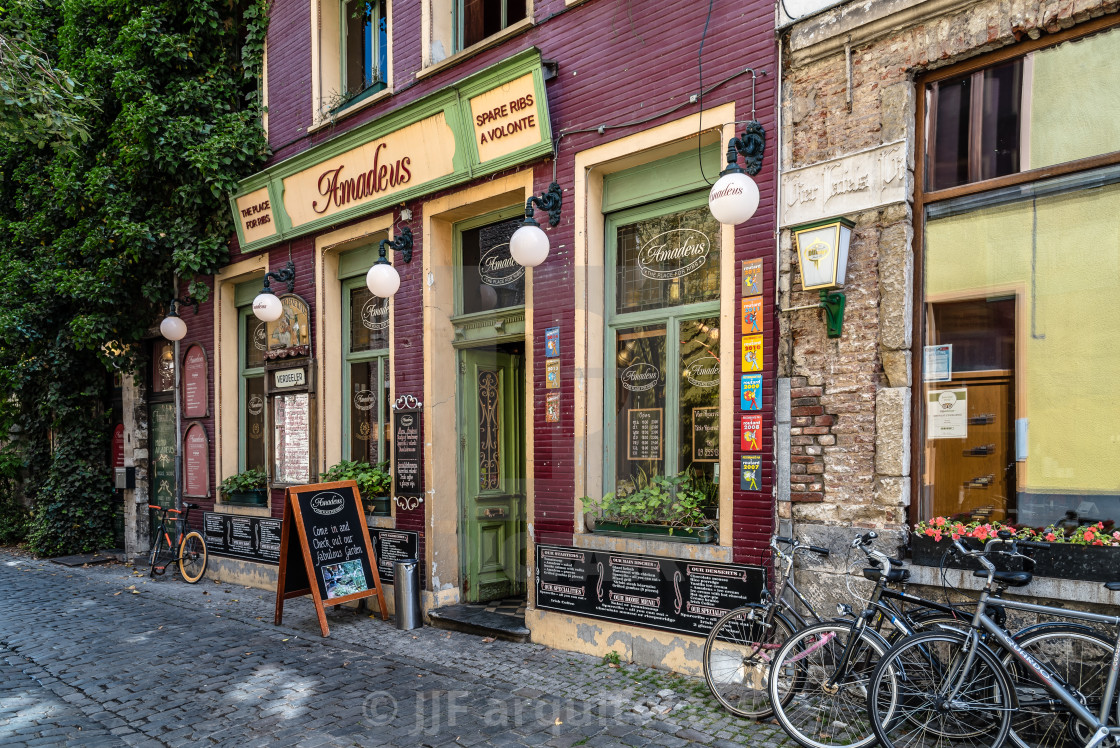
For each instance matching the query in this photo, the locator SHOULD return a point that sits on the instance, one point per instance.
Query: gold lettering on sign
(506, 119)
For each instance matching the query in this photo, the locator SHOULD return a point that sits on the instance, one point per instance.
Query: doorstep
(504, 619)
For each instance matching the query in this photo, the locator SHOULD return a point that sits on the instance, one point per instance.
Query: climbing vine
(93, 233)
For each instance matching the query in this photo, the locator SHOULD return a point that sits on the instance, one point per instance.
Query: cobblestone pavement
(105, 656)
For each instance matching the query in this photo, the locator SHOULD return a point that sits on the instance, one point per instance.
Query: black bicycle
(188, 550)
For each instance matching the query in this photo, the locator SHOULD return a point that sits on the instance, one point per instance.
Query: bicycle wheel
(822, 713)
(737, 656)
(192, 557)
(161, 555)
(1080, 658)
(921, 696)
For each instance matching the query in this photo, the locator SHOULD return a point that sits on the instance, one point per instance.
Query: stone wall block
(896, 367)
(896, 111)
(896, 286)
(892, 432)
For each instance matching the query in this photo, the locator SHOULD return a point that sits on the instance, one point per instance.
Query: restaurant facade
(506, 399)
(972, 151)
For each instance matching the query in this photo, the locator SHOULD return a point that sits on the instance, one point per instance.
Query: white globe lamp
(266, 307)
(383, 279)
(173, 327)
(529, 244)
(734, 197)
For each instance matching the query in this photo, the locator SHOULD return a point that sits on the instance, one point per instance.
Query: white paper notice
(938, 364)
(947, 414)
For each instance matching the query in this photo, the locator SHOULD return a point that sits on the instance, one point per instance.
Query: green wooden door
(492, 459)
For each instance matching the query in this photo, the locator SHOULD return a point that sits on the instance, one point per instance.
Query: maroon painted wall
(619, 62)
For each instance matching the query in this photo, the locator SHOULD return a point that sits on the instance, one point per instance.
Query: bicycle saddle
(1114, 586)
(1010, 578)
(896, 575)
(189, 505)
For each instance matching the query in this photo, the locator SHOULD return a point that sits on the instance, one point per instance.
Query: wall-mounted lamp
(173, 327)
(529, 244)
(266, 307)
(383, 279)
(734, 196)
(822, 250)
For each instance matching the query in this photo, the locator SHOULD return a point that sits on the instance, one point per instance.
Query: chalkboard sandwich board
(330, 556)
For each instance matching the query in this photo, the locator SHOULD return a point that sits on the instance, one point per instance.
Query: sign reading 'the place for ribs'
(661, 593)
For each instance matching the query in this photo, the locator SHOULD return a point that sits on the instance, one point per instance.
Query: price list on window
(645, 433)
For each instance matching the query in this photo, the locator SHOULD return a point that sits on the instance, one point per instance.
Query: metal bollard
(406, 594)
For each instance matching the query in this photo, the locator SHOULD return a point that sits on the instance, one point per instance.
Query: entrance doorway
(492, 466)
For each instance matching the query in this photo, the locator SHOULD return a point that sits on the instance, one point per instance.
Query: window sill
(490, 41)
(339, 114)
(1045, 588)
(243, 511)
(663, 548)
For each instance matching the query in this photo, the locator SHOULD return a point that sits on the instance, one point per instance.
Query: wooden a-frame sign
(330, 557)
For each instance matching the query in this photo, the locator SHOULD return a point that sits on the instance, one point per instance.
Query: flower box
(1087, 563)
(259, 497)
(656, 532)
(378, 506)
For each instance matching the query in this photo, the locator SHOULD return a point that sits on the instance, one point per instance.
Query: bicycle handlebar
(797, 545)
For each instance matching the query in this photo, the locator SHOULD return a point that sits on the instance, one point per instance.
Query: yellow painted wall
(1068, 324)
(1074, 100)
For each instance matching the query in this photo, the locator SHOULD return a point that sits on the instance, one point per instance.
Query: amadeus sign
(498, 268)
(328, 503)
(703, 372)
(674, 254)
(640, 377)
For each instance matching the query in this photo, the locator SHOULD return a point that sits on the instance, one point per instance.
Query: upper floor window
(365, 47)
(1047, 107)
(478, 19)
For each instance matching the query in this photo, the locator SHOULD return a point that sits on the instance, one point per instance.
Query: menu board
(249, 538)
(325, 549)
(195, 384)
(408, 476)
(705, 434)
(671, 594)
(196, 462)
(391, 546)
(643, 427)
(291, 428)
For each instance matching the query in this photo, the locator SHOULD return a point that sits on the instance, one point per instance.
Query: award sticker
(552, 342)
(750, 392)
(750, 473)
(552, 407)
(552, 374)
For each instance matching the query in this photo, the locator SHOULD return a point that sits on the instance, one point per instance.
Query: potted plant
(669, 508)
(374, 483)
(1088, 552)
(249, 488)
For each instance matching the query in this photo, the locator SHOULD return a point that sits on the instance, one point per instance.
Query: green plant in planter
(372, 480)
(678, 501)
(246, 482)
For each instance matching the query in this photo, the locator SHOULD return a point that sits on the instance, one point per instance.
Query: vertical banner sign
(750, 393)
(330, 557)
(408, 456)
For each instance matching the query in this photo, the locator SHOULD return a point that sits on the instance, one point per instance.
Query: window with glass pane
(253, 343)
(975, 125)
(1019, 408)
(365, 46)
(664, 346)
(478, 19)
(367, 374)
(491, 278)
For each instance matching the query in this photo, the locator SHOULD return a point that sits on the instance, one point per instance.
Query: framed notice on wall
(705, 434)
(644, 433)
(195, 383)
(196, 462)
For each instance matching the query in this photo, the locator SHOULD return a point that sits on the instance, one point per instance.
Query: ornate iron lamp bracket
(402, 244)
(751, 145)
(287, 275)
(550, 200)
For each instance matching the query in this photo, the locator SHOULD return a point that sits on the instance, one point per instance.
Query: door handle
(494, 512)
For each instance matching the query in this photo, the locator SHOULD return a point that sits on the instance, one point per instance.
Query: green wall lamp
(822, 249)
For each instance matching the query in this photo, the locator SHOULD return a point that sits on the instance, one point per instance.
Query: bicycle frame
(787, 583)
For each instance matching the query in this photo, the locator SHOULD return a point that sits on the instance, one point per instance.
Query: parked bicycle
(1052, 686)
(188, 550)
(741, 645)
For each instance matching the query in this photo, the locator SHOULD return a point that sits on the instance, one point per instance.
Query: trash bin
(406, 594)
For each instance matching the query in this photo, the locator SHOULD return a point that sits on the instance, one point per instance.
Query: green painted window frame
(379, 7)
(380, 355)
(671, 317)
(458, 31)
(502, 214)
(243, 375)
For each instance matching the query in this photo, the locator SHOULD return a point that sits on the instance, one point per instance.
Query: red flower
(1088, 535)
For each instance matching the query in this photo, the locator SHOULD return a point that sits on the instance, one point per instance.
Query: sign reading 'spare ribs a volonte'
(330, 557)
(662, 593)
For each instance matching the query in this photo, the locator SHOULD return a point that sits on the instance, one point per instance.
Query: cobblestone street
(106, 656)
